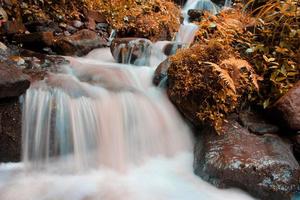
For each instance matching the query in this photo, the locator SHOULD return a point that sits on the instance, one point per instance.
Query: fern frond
(223, 74)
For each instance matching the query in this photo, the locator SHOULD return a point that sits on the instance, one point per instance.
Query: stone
(131, 50)
(288, 108)
(10, 130)
(12, 27)
(195, 14)
(35, 41)
(13, 82)
(257, 123)
(161, 72)
(80, 43)
(171, 48)
(262, 165)
(95, 15)
(296, 146)
(77, 23)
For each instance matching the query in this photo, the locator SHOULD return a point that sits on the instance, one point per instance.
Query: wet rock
(256, 123)
(35, 41)
(161, 72)
(102, 26)
(180, 2)
(288, 108)
(13, 82)
(77, 23)
(195, 14)
(296, 146)
(79, 43)
(262, 165)
(131, 50)
(10, 129)
(171, 48)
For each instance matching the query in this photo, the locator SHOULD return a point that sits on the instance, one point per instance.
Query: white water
(97, 130)
(113, 136)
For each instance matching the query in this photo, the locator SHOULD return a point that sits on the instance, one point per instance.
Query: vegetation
(153, 19)
(208, 81)
(261, 46)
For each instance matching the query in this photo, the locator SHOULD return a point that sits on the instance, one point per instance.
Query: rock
(91, 24)
(102, 26)
(95, 15)
(131, 50)
(13, 27)
(195, 14)
(161, 72)
(10, 129)
(180, 2)
(35, 41)
(262, 165)
(257, 124)
(79, 43)
(171, 48)
(77, 23)
(288, 108)
(13, 82)
(296, 146)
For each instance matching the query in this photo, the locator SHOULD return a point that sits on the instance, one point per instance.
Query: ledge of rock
(13, 82)
(262, 165)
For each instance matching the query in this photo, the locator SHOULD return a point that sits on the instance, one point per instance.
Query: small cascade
(103, 115)
(139, 52)
(98, 130)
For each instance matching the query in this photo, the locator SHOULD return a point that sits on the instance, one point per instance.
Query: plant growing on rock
(153, 19)
(208, 81)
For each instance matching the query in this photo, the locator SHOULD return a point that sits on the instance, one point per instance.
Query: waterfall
(105, 115)
(97, 130)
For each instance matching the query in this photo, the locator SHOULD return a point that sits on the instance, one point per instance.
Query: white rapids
(102, 131)
(97, 130)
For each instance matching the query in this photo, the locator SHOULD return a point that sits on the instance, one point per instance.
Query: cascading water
(96, 130)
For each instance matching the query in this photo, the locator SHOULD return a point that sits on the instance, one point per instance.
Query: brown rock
(80, 43)
(171, 48)
(288, 107)
(13, 27)
(131, 50)
(262, 165)
(13, 82)
(10, 130)
(296, 146)
(35, 41)
(96, 16)
(257, 123)
(161, 72)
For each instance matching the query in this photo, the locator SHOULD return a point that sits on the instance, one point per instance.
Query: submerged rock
(288, 107)
(13, 82)
(262, 165)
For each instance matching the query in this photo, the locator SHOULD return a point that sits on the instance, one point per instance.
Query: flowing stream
(97, 130)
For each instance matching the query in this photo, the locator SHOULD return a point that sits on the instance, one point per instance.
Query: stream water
(97, 130)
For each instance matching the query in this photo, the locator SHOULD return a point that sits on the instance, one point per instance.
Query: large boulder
(13, 82)
(288, 107)
(80, 43)
(262, 165)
